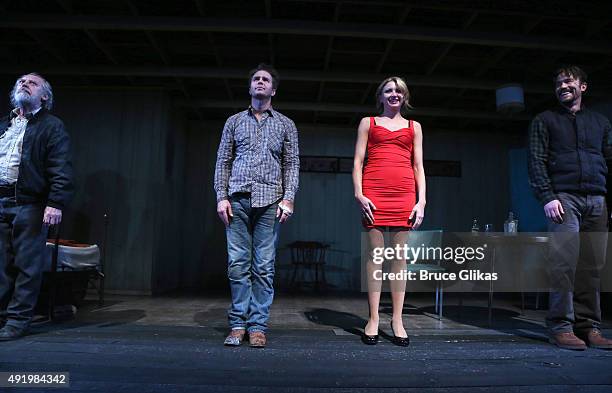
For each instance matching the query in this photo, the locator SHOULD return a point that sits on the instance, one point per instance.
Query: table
(498, 240)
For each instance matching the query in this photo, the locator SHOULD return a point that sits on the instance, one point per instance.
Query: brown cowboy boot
(567, 340)
(595, 339)
(257, 339)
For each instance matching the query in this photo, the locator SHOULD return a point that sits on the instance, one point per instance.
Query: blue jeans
(22, 251)
(577, 253)
(251, 247)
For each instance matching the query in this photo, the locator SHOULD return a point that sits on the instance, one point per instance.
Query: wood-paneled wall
(128, 160)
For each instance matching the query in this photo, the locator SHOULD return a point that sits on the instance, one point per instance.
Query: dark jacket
(577, 151)
(45, 170)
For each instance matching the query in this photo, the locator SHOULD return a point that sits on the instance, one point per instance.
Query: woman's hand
(418, 212)
(367, 208)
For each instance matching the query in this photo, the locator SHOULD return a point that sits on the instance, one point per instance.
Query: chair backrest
(308, 252)
(430, 238)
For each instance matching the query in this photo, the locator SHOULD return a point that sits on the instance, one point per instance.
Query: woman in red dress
(386, 191)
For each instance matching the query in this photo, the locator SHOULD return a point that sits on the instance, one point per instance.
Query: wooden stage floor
(174, 344)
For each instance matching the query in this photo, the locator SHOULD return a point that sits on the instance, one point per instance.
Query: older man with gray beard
(35, 186)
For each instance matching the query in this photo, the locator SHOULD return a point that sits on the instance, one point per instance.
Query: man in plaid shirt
(569, 148)
(256, 178)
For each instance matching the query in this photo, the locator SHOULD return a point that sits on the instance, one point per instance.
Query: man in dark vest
(569, 148)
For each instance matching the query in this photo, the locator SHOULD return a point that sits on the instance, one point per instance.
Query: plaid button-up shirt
(258, 157)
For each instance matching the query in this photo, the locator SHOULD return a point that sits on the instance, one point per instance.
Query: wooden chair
(309, 255)
(63, 275)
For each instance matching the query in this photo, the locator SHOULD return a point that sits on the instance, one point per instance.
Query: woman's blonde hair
(399, 82)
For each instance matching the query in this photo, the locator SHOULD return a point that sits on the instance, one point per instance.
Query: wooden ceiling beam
(311, 28)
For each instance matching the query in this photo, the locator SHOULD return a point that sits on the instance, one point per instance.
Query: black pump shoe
(369, 340)
(400, 341)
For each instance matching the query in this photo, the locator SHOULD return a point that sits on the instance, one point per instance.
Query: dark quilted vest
(576, 162)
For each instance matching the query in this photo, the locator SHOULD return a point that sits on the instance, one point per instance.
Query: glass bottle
(511, 224)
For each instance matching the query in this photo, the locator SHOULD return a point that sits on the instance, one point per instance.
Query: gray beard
(24, 100)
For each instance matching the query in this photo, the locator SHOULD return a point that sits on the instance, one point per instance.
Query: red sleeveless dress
(388, 177)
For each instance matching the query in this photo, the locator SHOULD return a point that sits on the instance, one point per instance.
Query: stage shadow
(90, 315)
(217, 315)
(464, 316)
(350, 323)
(502, 320)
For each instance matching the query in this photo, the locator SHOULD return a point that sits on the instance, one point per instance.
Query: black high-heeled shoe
(400, 341)
(369, 340)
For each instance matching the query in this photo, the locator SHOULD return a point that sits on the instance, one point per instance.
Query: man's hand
(284, 210)
(554, 211)
(224, 210)
(52, 216)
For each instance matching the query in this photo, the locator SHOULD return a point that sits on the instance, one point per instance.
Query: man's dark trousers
(576, 256)
(22, 246)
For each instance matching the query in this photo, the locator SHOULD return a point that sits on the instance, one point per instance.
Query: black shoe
(369, 340)
(400, 341)
(8, 333)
